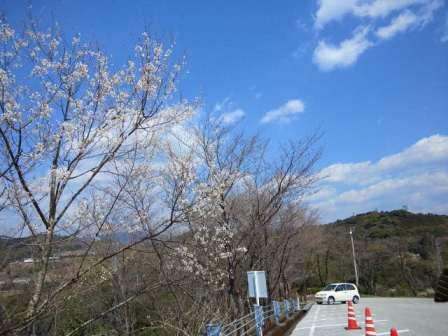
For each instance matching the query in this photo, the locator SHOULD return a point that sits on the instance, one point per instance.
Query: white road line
(335, 319)
(399, 332)
(332, 325)
(312, 329)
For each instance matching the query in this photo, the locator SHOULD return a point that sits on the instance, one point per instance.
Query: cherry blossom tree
(242, 211)
(70, 123)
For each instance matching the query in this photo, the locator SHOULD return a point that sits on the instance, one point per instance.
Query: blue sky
(372, 75)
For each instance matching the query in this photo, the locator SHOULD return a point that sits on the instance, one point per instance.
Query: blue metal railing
(255, 322)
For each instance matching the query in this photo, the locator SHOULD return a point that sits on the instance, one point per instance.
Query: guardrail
(257, 320)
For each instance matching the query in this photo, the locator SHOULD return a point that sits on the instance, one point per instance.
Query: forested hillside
(398, 252)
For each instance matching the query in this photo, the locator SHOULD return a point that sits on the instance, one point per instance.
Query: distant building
(32, 260)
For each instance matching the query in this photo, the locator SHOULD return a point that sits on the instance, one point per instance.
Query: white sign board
(256, 283)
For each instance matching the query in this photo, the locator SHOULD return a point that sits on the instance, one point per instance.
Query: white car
(338, 292)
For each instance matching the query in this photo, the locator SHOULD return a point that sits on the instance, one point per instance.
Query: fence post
(259, 320)
(286, 302)
(213, 329)
(276, 308)
(298, 303)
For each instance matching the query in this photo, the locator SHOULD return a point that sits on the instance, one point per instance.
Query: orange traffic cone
(393, 332)
(351, 323)
(370, 327)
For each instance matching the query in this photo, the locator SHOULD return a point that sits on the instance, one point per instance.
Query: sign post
(256, 284)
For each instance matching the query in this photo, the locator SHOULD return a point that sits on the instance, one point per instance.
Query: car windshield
(329, 287)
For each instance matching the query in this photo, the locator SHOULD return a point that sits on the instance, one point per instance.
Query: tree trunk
(41, 277)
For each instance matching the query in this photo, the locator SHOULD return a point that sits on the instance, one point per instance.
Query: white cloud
(382, 8)
(408, 14)
(339, 172)
(222, 105)
(407, 19)
(302, 49)
(444, 37)
(331, 10)
(227, 111)
(437, 182)
(425, 151)
(321, 194)
(399, 24)
(329, 56)
(301, 26)
(232, 117)
(425, 192)
(285, 112)
(416, 177)
(256, 93)
(426, 13)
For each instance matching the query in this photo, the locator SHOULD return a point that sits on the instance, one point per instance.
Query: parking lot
(411, 317)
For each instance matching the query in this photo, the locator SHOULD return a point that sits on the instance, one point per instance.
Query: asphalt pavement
(411, 317)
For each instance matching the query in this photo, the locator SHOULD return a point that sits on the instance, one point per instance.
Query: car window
(349, 287)
(340, 288)
(329, 287)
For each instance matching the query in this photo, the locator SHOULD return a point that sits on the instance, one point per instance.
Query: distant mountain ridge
(384, 224)
(19, 248)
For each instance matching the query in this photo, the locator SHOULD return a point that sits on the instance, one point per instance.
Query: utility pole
(354, 258)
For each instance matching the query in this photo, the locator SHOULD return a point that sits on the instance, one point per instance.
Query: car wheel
(330, 300)
(355, 299)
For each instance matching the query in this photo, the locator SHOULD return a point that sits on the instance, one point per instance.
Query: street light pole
(354, 258)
